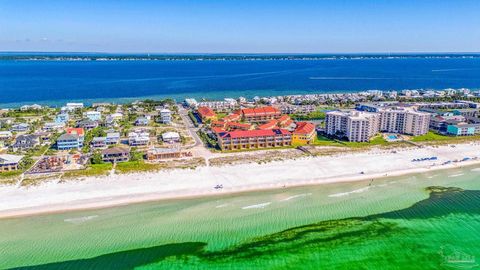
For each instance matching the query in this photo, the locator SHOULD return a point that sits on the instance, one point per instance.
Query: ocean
(422, 221)
(56, 82)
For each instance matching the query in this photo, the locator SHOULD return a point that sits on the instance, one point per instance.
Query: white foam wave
(360, 190)
(257, 206)
(348, 78)
(221, 205)
(296, 196)
(475, 170)
(456, 175)
(79, 219)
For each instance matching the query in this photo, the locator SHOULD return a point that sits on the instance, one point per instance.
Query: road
(190, 126)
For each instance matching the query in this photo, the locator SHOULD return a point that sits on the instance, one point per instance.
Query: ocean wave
(296, 196)
(475, 170)
(257, 206)
(348, 78)
(360, 190)
(221, 205)
(79, 219)
(456, 175)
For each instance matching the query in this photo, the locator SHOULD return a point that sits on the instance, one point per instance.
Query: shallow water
(393, 223)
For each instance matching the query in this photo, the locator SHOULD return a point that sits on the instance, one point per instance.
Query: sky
(240, 26)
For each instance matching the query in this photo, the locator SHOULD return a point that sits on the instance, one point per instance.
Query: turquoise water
(411, 222)
(55, 82)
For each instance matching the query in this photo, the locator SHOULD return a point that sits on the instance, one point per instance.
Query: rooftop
(255, 133)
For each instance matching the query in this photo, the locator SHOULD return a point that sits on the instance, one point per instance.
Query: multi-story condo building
(404, 120)
(396, 118)
(249, 139)
(356, 126)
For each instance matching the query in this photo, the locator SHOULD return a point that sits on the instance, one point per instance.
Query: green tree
(96, 158)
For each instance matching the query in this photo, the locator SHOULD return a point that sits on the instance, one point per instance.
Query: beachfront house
(154, 154)
(9, 162)
(116, 154)
(72, 139)
(171, 137)
(68, 142)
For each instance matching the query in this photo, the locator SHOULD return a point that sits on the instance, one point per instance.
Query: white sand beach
(140, 187)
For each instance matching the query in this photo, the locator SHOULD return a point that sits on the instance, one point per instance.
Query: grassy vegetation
(316, 115)
(439, 138)
(91, 170)
(432, 136)
(9, 178)
(221, 115)
(137, 166)
(376, 141)
(193, 118)
(38, 151)
(207, 140)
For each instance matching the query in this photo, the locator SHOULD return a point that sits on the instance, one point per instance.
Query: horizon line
(242, 53)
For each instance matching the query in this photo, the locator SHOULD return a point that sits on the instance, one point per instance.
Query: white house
(93, 115)
(171, 137)
(166, 116)
(138, 138)
(73, 106)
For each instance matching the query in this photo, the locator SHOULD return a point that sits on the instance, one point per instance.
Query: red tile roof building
(304, 133)
(232, 118)
(251, 139)
(238, 126)
(261, 114)
(269, 125)
(206, 113)
(221, 124)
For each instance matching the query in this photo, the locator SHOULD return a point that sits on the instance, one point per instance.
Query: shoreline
(98, 193)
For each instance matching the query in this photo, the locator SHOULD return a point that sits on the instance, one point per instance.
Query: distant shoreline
(66, 56)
